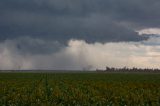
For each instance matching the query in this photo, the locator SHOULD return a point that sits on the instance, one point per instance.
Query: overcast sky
(78, 34)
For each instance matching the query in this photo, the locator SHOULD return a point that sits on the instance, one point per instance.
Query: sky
(79, 34)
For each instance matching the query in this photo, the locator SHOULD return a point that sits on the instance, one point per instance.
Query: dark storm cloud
(30, 46)
(91, 20)
(32, 32)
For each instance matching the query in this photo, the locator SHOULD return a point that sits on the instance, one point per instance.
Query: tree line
(127, 69)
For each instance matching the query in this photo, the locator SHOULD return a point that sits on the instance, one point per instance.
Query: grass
(79, 89)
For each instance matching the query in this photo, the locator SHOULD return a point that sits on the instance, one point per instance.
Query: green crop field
(80, 89)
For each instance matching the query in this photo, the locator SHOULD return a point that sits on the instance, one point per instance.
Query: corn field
(79, 89)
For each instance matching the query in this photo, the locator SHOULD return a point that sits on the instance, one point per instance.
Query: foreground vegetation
(43, 89)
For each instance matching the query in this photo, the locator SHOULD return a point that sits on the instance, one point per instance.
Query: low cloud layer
(78, 54)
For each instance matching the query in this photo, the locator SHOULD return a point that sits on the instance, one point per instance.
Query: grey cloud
(90, 20)
(30, 46)
(38, 34)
